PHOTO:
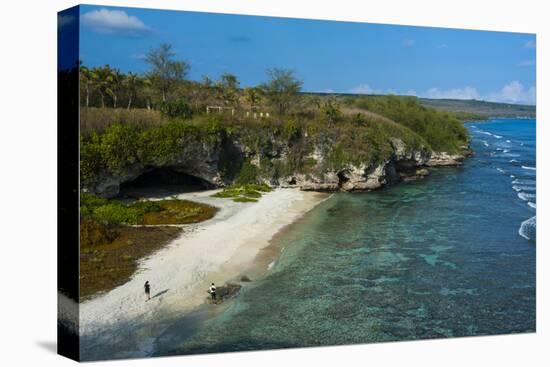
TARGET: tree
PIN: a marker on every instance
(252, 96)
(115, 81)
(147, 90)
(165, 72)
(86, 82)
(331, 111)
(281, 88)
(100, 77)
(133, 83)
(228, 87)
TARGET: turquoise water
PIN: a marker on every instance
(451, 255)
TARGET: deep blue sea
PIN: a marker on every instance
(447, 256)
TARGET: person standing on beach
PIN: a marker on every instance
(147, 291)
(213, 292)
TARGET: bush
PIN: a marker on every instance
(116, 213)
(442, 130)
(247, 175)
(93, 233)
(245, 193)
(97, 120)
(119, 147)
(176, 109)
(146, 206)
(242, 199)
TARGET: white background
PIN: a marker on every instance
(28, 182)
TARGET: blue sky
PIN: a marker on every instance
(328, 56)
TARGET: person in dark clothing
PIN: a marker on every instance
(213, 292)
(147, 291)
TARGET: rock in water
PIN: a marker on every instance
(244, 278)
(225, 292)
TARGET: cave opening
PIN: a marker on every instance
(342, 178)
(163, 181)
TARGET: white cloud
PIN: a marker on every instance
(456, 93)
(514, 92)
(138, 56)
(527, 63)
(443, 45)
(114, 22)
(530, 44)
(408, 42)
(365, 89)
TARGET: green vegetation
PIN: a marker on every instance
(120, 146)
(469, 110)
(341, 139)
(248, 193)
(442, 130)
(110, 243)
(281, 88)
(166, 116)
(165, 72)
(111, 213)
(175, 110)
(110, 262)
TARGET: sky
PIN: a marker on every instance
(328, 56)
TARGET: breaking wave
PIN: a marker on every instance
(526, 197)
(528, 229)
(524, 188)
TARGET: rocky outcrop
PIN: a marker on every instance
(200, 161)
(210, 164)
(405, 164)
(445, 159)
(225, 292)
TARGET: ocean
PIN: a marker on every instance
(448, 256)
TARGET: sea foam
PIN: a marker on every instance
(528, 228)
(524, 188)
(526, 197)
(524, 182)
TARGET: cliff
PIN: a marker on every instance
(343, 158)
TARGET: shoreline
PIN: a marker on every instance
(208, 251)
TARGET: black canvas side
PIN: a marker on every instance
(68, 182)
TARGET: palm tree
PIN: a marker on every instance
(86, 80)
(115, 81)
(132, 82)
(100, 79)
(228, 87)
(147, 90)
(252, 96)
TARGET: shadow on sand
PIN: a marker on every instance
(160, 293)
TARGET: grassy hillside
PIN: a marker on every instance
(472, 109)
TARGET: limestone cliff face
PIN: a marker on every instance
(403, 164)
(213, 164)
(201, 161)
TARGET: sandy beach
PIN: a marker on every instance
(218, 250)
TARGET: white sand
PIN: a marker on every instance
(216, 250)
